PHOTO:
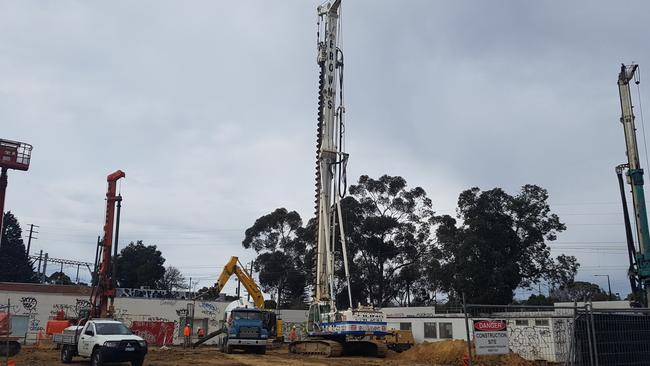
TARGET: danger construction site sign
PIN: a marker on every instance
(490, 336)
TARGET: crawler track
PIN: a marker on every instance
(317, 347)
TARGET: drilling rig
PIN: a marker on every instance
(332, 332)
(103, 291)
(639, 271)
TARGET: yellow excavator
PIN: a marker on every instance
(271, 323)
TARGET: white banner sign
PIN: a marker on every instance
(491, 337)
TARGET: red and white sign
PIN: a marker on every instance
(490, 325)
(491, 337)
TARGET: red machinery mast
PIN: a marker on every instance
(105, 290)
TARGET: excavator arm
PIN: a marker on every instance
(244, 277)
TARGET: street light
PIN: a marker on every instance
(609, 285)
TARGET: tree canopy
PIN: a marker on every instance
(173, 279)
(59, 278)
(278, 238)
(140, 265)
(14, 262)
(388, 229)
(498, 244)
(402, 253)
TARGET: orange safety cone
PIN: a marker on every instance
(39, 338)
(465, 359)
(11, 363)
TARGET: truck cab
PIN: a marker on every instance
(101, 340)
(246, 331)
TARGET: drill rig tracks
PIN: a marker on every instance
(330, 348)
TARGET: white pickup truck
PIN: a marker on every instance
(101, 340)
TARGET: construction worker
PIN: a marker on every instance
(187, 331)
(293, 335)
(200, 332)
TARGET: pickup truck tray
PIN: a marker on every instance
(65, 338)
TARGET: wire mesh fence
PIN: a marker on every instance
(578, 335)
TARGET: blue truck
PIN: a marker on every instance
(246, 331)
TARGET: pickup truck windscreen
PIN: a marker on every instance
(252, 315)
(112, 329)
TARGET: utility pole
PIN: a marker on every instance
(248, 298)
(31, 236)
(40, 258)
(609, 284)
(44, 274)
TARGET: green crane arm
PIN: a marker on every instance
(635, 177)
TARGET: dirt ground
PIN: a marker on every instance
(209, 356)
(445, 353)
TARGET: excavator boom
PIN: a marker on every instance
(244, 277)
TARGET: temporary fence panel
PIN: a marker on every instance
(612, 337)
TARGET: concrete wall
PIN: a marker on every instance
(40, 307)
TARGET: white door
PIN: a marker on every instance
(85, 340)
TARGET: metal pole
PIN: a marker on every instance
(117, 237)
(344, 248)
(9, 331)
(40, 256)
(593, 332)
(29, 240)
(77, 280)
(631, 250)
(609, 287)
(94, 274)
(238, 288)
(248, 298)
(45, 267)
(3, 190)
(469, 342)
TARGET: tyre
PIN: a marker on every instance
(66, 354)
(96, 357)
(137, 362)
(261, 350)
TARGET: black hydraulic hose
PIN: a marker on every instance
(631, 250)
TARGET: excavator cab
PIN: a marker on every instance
(318, 313)
(270, 322)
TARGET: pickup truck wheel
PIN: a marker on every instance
(96, 357)
(66, 354)
(137, 362)
(261, 350)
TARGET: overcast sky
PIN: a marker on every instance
(210, 109)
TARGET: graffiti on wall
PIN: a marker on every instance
(154, 332)
(39, 308)
(211, 311)
(29, 303)
(540, 341)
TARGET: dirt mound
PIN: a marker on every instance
(450, 353)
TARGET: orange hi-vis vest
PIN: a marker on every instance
(186, 331)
